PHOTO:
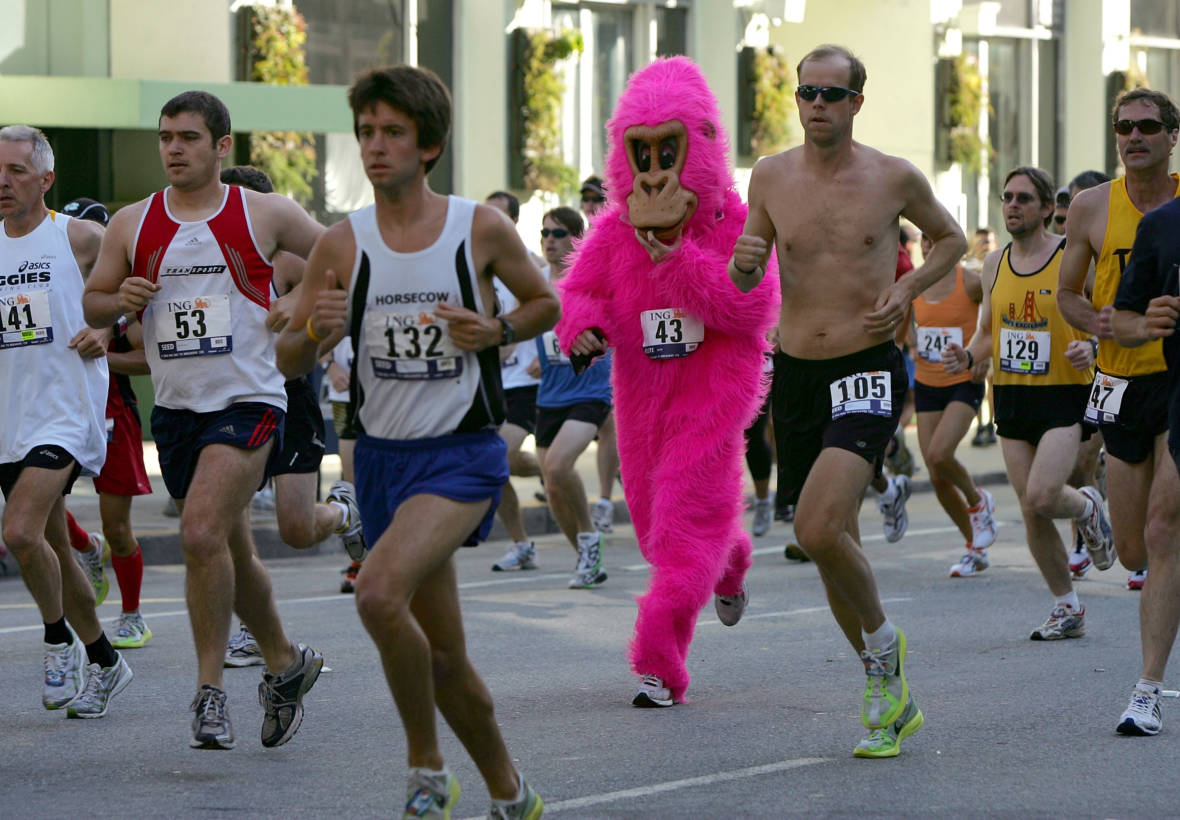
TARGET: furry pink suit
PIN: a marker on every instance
(680, 419)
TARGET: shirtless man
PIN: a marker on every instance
(1130, 396)
(193, 259)
(835, 350)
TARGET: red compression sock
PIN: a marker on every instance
(79, 538)
(129, 572)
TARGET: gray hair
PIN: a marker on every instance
(42, 153)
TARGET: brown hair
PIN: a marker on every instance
(416, 92)
(856, 69)
(1041, 181)
(568, 218)
(1168, 113)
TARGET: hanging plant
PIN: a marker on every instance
(773, 102)
(278, 57)
(538, 92)
(964, 101)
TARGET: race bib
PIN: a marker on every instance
(553, 354)
(1024, 351)
(198, 326)
(870, 392)
(25, 319)
(933, 340)
(411, 347)
(1106, 399)
(670, 333)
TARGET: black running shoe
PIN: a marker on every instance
(282, 697)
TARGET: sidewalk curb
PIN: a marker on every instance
(166, 549)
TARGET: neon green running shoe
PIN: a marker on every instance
(92, 562)
(431, 795)
(887, 742)
(886, 691)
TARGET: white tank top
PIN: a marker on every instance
(341, 357)
(514, 369)
(204, 331)
(51, 394)
(409, 380)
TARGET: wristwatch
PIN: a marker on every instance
(508, 334)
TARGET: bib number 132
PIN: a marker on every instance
(869, 392)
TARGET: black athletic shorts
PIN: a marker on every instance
(181, 435)
(550, 419)
(45, 456)
(1026, 412)
(1143, 415)
(522, 407)
(303, 431)
(802, 407)
(929, 399)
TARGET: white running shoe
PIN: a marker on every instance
(1136, 580)
(896, 518)
(93, 564)
(1142, 716)
(101, 685)
(762, 516)
(65, 672)
(1079, 559)
(602, 515)
(130, 632)
(243, 650)
(983, 521)
(350, 531)
(589, 572)
(1095, 530)
(521, 555)
(1063, 622)
(652, 693)
(730, 610)
(973, 562)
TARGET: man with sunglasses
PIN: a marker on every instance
(842, 238)
(1130, 395)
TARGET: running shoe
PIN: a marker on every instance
(886, 742)
(794, 552)
(983, 521)
(1142, 716)
(1100, 473)
(898, 457)
(93, 563)
(101, 685)
(130, 632)
(1079, 559)
(730, 610)
(896, 518)
(349, 530)
(886, 692)
(243, 650)
(762, 515)
(530, 807)
(349, 573)
(281, 697)
(652, 693)
(521, 555)
(786, 512)
(431, 795)
(1062, 623)
(263, 500)
(1095, 530)
(589, 572)
(65, 672)
(211, 726)
(602, 515)
(973, 562)
(170, 509)
(1136, 580)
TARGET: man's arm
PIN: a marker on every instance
(319, 319)
(537, 307)
(747, 266)
(110, 290)
(86, 240)
(1078, 310)
(294, 231)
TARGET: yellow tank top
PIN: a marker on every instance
(1121, 222)
(1029, 336)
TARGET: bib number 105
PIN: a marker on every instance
(869, 392)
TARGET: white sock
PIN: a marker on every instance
(1070, 600)
(1151, 684)
(605, 499)
(587, 539)
(432, 773)
(519, 794)
(882, 638)
(340, 505)
(890, 491)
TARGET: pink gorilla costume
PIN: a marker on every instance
(688, 350)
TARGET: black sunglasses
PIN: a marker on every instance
(556, 233)
(1060, 220)
(1024, 197)
(830, 93)
(1125, 127)
(592, 198)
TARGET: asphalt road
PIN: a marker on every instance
(1013, 727)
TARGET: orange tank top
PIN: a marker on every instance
(950, 319)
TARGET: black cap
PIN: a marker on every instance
(594, 184)
(83, 208)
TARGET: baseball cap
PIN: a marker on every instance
(84, 208)
(594, 184)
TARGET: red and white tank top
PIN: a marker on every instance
(205, 331)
